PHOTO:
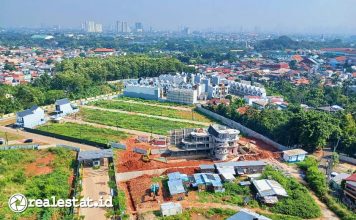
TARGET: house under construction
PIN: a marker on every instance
(216, 141)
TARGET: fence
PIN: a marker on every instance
(159, 151)
(240, 127)
(16, 147)
(66, 138)
(118, 146)
(68, 147)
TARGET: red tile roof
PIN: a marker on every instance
(351, 178)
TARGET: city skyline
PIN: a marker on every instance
(315, 16)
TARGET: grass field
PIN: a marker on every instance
(87, 132)
(10, 136)
(37, 174)
(134, 122)
(152, 110)
(152, 101)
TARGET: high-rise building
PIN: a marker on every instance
(98, 28)
(138, 27)
(93, 27)
(124, 27)
(118, 27)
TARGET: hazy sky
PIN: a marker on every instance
(329, 16)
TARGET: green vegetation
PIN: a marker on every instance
(279, 216)
(298, 203)
(207, 213)
(234, 195)
(87, 132)
(151, 110)
(15, 178)
(83, 77)
(134, 122)
(317, 182)
(310, 130)
(9, 136)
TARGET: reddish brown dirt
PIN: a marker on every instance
(260, 148)
(41, 166)
(138, 191)
(131, 161)
(185, 170)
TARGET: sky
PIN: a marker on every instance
(294, 16)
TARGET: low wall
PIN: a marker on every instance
(16, 147)
(122, 177)
(66, 138)
(242, 128)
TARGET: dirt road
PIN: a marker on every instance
(149, 116)
(95, 185)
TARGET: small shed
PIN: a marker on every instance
(171, 208)
(294, 155)
(94, 158)
(176, 189)
(207, 168)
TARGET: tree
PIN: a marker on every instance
(9, 67)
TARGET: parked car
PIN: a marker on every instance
(28, 140)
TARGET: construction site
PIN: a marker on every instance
(143, 166)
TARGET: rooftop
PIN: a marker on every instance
(269, 188)
(294, 152)
(245, 214)
(90, 155)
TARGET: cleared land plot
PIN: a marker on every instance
(87, 132)
(36, 174)
(134, 122)
(10, 136)
(152, 101)
(152, 110)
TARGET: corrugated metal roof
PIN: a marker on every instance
(245, 214)
(269, 188)
(294, 152)
(170, 205)
(175, 187)
(90, 155)
(241, 163)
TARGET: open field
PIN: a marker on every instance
(152, 110)
(152, 101)
(134, 122)
(90, 133)
(36, 174)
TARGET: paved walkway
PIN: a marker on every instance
(45, 140)
(149, 116)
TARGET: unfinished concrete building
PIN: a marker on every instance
(216, 141)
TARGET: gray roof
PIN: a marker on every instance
(338, 178)
(62, 101)
(24, 113)
(176, 187)
(245, 214)
(241, 163)
(207, 166)
(98, 154)
(27, 111)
